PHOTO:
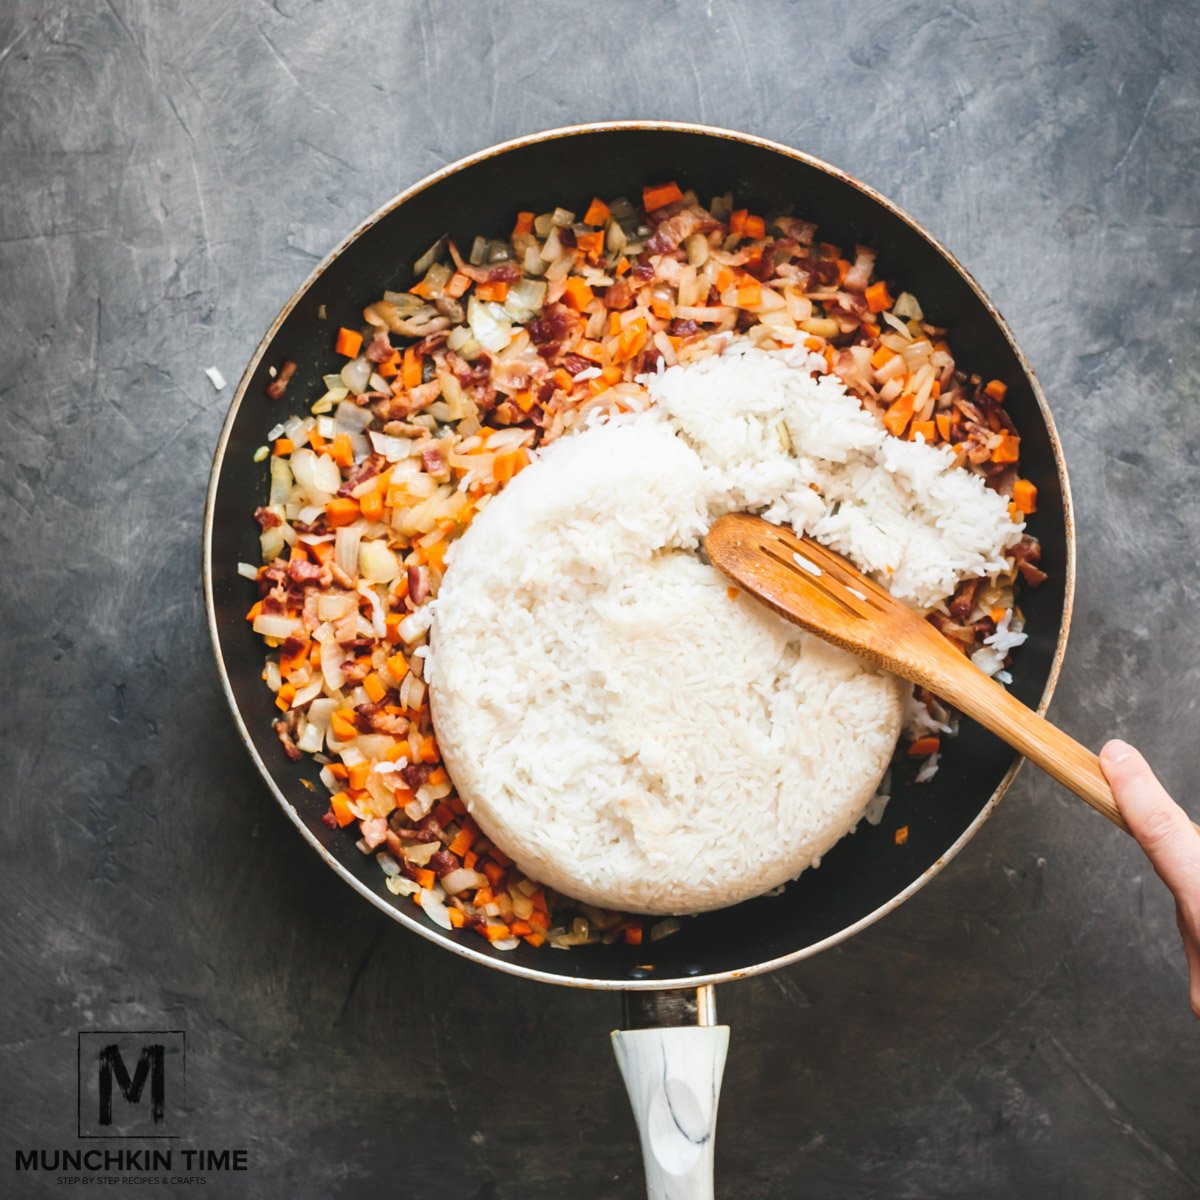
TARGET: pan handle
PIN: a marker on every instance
(672, 1055)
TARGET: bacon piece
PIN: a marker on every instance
(963, 602)
(683, 328)
(501, 272)
(303, 573)
(278, 385)
(619, 296)
(266, 518)
(859, 274)
(418, 584)
(431, 458)
(370, 466)
(380, 349)
(443, 862)
(793, 227)
(1026, 553)
(284, 734)
(678, 224)
(415, 774)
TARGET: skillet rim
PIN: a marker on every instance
(435, 935)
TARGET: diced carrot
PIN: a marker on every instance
(520, 928)
(349, 342)
(663, 193)
(372, 505)
(597, 212)
(340, 803)
(392, 624)
(357, 776)
(425, 878)
(494, 872)
(732, 593)
(316, 439)
(843, 269)
(496, 931)
(925, 429)
(870, 329)
(622, 266)
(285, 696)
(462, 841)
(389, 368)
(943, 421)
(633, 935)
(458, 285)
(283, 447)
(923, 747)
(898, 415)
(342, 724)
(749, 292)
(1008, 449)
(1024, 496)
(375, 688)
(496, 291)
(443, 814)
(456, 918)
(437, 777)
(342, 510)
(535, 939)
(755, 227)
(338, 770)
(255, 609)
(524, 224)
(997, 390)
(589, 349)
(592, 244)
(660, 308)
(901, 835)
(469, 860)
(410, 371)
(614, 324)
(397, 666)
(1014, 513)
(882, 356)
(737, 223)
(877, 297)
(524, 400)
(341, 451)
(576, 293)
(563, 379)
(725, 279)
(483, 895)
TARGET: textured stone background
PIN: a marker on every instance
(168, 174)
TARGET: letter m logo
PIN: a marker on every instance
(131, 1083)
(150, 1065)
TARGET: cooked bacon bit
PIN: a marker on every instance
(1026, 553)
(442, 863)
(267, 519)
(963, 602)
(552, 326)
(370, 466)
(432, 459)
(415, 774)
(619, 296)
(304, 573)
(418, 585)
(278, 385)
(380, 349)
(294, 753)
(684, 328)
(328, 819)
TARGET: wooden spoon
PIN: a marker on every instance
(822, 593)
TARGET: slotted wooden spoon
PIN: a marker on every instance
(822, 593)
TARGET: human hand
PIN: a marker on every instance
(1169, 839)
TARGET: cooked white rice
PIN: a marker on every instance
(614, 721)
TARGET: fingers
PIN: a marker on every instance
(1165, 833)
(1161, 827)
(1191, 950)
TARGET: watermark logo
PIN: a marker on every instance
(131, 1083)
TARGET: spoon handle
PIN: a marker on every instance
(1057, 753)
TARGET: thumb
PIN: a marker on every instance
(1160, 826)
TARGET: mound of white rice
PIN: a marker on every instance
(615, 722)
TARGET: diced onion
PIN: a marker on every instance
(356, 374)
(276, 625)
(345, 548)
(462, 879)
(376, 563)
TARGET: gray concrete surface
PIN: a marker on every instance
(168, 174)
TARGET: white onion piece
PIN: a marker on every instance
(392, 448)
(345, 548)
(333, 606)
(435, 910)
(463, 879)
(378, 622)
(328, 476)
(490, 331)
(332, 659)
(352, 419)
(281, 481)
(419, 853)
(247, 570)
(376, 563)
(275, 625)
(309, 692)
(356, 374)
(311, 739)
(508, 943)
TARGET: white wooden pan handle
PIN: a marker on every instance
(673, 1075)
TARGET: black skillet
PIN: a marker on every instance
(866, 875)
